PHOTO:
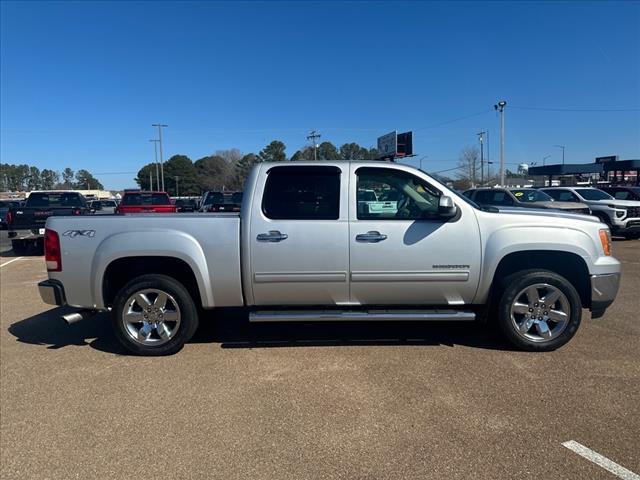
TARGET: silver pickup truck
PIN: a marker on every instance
(304, 248)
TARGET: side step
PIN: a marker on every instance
(354, 316)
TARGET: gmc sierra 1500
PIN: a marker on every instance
(304, 249)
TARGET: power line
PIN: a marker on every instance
(453, 120)
(544, 109)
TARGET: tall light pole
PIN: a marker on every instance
(160, 125)
(544, 158)
(481, 137)
(313, 136)
(500, 107)
(150, 181)
(155, 148)
(562, 147)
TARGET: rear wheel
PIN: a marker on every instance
(154, 315)
(539, 310)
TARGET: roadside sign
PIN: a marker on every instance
(404, 144)
(610, 159)
(388, 145)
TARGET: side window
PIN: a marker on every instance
(302, 193)
(493, 197)
(384, 193)
(621, 195)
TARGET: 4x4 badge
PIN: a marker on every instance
(79, 233)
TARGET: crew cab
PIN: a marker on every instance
(302, 250)
(136, 201)
(622, 216)
(26, 223)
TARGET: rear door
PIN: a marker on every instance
(409, 255)
(299, 237)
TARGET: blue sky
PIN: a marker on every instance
(82, 82)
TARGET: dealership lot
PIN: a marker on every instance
(313, 401)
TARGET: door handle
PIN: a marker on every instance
(272, 236)
(371, 237)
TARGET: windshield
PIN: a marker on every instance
(530, 195)
(66, 199)
(133, 199)
(593, 194)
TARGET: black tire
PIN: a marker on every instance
(19, 247)
(187, 308)
(512, 288)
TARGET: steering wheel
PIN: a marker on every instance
(403, 208)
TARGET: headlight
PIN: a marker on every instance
(605, 240)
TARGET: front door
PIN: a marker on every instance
(299, 237)
(401, 250)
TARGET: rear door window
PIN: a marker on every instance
(302, 193)
(60, 200)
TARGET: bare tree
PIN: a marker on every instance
(469, 166)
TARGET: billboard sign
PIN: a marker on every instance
(609, 159)
(388, 145)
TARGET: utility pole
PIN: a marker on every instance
(500, 107)
(481, 137)
(313, 136)
(150, 180)
(562, 147)
(155, 148)
(544, 158)
(160, 125)
(177, 186)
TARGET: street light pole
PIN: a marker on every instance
(481, 137)
(177, 186)
(155, 148)
(160, 125)
(500, 107)
(562, 147)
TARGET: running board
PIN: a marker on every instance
(354, 316)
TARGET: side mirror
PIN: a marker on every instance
(446, 207)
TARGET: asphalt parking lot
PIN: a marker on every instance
(313, 401)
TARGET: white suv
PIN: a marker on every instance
(622, 216)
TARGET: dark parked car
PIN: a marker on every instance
(221, 202)
(622, 193)
(185, 205)
(103, 207)
(26, 223)
(5, 206)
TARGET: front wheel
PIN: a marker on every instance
(539, 310)
(154, 315)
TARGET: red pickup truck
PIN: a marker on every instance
(145, 202)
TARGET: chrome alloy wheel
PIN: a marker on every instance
(540, 312)
(151, 317)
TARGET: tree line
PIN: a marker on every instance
(228, 169)
(21, 178)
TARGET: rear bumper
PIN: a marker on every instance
(27, 234)
(604, 289)
(52, 292)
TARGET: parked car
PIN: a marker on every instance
(221, 202)
(622, 216)
(522, 198)
(185, 205)
(136, 201)
(300, 251)
(26, 223)
(103, 207)
(622, 192)
(5, 206)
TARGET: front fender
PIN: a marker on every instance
(166, 243)
(512, 239)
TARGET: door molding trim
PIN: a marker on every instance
(429, 276)
(295, 277)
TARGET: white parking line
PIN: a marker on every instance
(10, 261)
(601, 460)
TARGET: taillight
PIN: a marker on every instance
(9, 217)
(77, 211)
(52, 253)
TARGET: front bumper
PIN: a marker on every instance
(52, 292)
(629, 226)
(604, 289)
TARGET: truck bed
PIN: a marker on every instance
(210, 242)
